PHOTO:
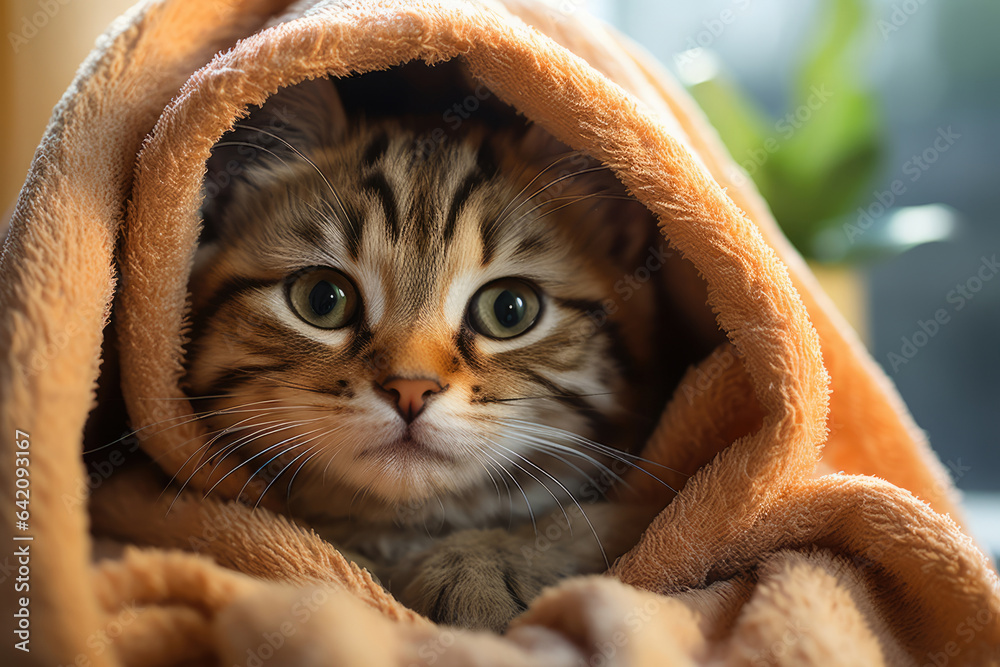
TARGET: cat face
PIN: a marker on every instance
(372, 318)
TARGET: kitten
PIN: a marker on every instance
(423, 342)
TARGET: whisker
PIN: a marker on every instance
(183, 398)
(187, 419)
(527, 503)
(563, 509)
(292, 385)
(245, 462)
(610, 451)
(312, 164)
(544, 396)
(309, 454)
(253, 436)
(513, 199)
(597, 447)
(288, 493)
(569, 523)
(204, 448)
(281, 472)
(510, 498)
(492, 479)
(574, 199)
(276, 456)
(232, 447)
(547, 448)
(249, 144)
(545, 187)
(536, 440)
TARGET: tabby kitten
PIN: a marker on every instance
(420, 346)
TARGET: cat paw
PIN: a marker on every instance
(477, 579)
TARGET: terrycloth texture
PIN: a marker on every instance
(760, 559)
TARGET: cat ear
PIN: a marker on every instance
(619, 227)
(296, 119)
(610, 221)
(540, 144)
(307, 115)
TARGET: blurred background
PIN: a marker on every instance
(871, 126)
(906, 137)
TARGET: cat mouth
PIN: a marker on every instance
(405, 447)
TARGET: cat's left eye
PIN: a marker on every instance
(324, 298)
(504, 308)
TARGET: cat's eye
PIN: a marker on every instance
(504, 308)
(324, 298)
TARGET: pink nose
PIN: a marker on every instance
(410, 395)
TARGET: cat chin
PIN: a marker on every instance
(389, 481)
(407, 450)
(408, 480)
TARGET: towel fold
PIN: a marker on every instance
(813, 524)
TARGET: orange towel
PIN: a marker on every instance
(817, 526)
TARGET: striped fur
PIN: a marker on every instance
(418, 232)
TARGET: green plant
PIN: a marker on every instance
(816, 164)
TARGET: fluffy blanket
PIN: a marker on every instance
(816, 526)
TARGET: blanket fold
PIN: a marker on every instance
(808, 522)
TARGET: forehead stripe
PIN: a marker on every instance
(379, 186)
(375, 150)
(471, 181)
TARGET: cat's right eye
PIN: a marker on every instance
(324, 298)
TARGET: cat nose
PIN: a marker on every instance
(410, 395)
